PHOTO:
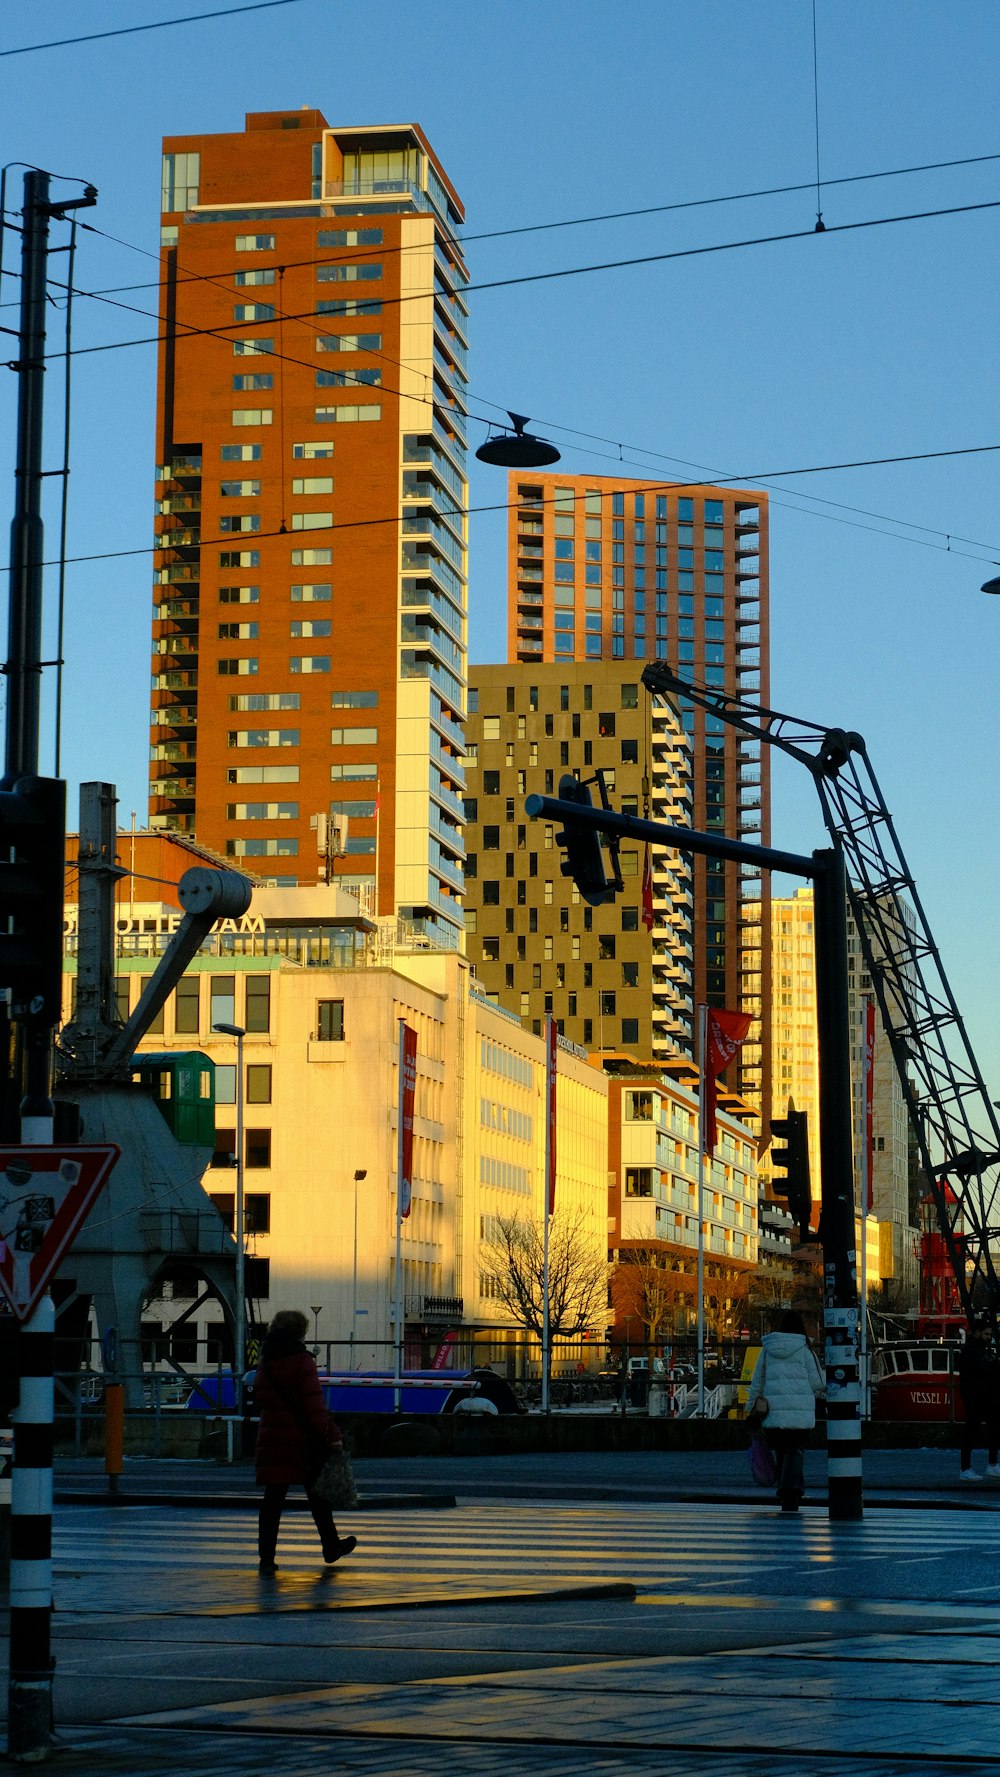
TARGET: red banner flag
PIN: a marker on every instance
(724, 1033)
(407, 1085)
(648, 915)
(550, 1110)
(866, 1195)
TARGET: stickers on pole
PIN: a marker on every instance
(46, 1195)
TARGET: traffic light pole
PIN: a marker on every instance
(825, 869)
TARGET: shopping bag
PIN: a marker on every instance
(335, 1481)
(762, 1464)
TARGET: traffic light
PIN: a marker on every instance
(32, 862)
(793, 1158)
(584, 859)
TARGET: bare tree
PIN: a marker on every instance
(513, 1265)
(644, 1286)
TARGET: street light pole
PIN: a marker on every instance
(362, 1173)
(239, 1341)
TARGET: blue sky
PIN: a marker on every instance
(873, 343)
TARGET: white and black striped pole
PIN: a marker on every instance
(30, 1691)
(837, 1226)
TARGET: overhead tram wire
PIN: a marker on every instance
(718, 477)
(194, 18)
(225, 334)
(569, 221)
(714, 476)
(673, 485)
(575, 271)
(307, 320)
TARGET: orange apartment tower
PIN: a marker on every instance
(310, 609)
(604, 568)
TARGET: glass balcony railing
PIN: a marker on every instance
(418, 596)
(420, 561)
(449, 314)
(454, 374)
(422, 524)
(178, 573)
(176, 539)
(175, 715)
(424, 635)
(421, 448)
(412, 666)
(453, 343)
(430, 493)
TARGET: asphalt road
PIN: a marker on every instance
(899, 1475)
(555, 1634)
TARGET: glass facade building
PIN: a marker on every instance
(602, 568)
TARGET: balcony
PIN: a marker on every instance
(163, 771)
(432, 495)
(420, 561)
(176, 681)
(177, 647)
(453, 374)
(449, 313)
(172, 787)
(178, 573)
(176, 503)
(175, 716)
(453, 345)
(177, 539)
(443, 1310)
(173, 749)
(173, 610)
(424, 524)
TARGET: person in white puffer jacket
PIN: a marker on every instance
(788, 1377)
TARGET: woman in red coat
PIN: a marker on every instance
(295, 1428)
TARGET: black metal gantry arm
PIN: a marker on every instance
(953, 1117)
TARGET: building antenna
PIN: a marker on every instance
(820, 224)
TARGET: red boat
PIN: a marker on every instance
(917, 1379)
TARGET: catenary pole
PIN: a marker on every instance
(827, 871)
(550, 1167)
(30, 1685)
(840, 1274)
(702, 1063)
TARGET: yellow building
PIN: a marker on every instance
(891, 1239)
(653, 1212)
(320, 1125)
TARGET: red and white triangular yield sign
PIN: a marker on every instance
(45, 1196)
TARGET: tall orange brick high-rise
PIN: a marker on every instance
(606, 568)
(309, 628)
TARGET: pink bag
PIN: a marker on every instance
(762, 1464)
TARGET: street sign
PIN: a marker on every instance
(45, 1196)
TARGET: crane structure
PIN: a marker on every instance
(953, 1118)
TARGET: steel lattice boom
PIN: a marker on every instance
(953, 1117)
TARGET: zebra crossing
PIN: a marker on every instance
(171, 1647)
(149, 1559)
